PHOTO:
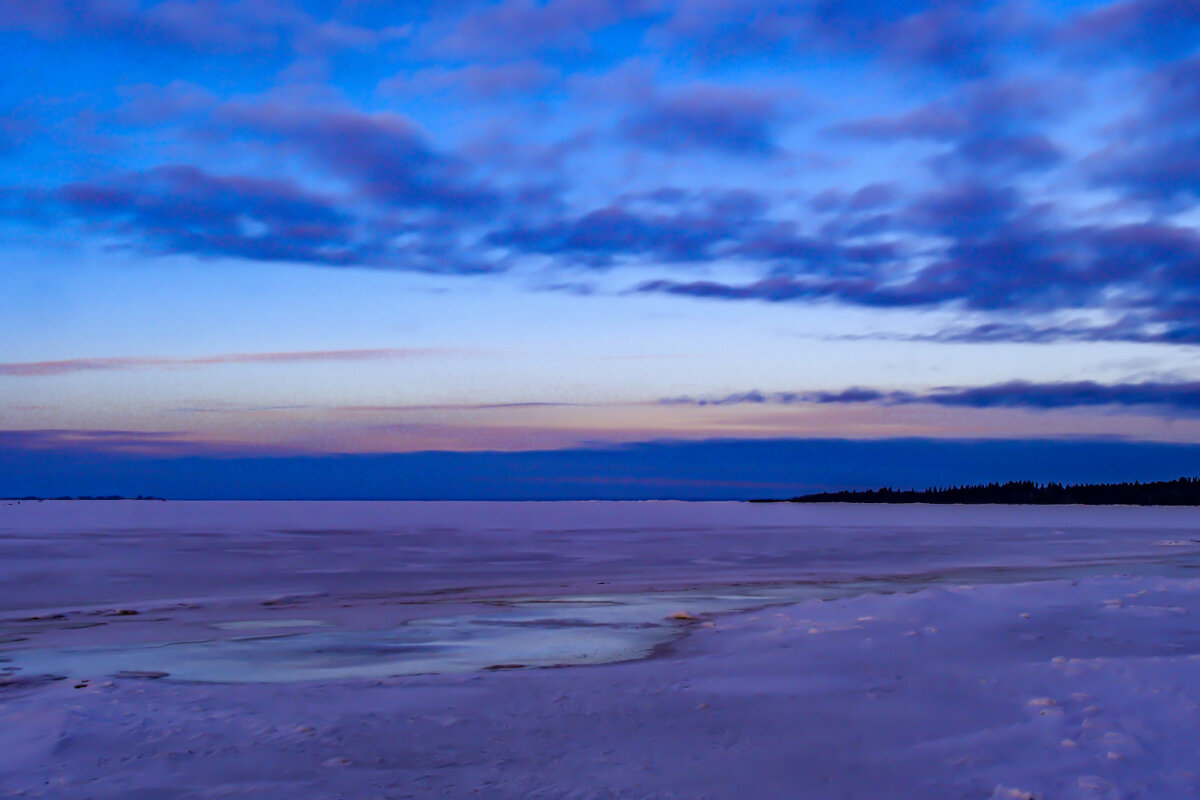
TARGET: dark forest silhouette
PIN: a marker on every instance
(1180, 492)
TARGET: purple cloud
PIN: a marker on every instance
(199, 24)
(385, 155)
(1179, 398)
(1162, 172)
(317, 173)
(60, 440)
(989, 123)
(959, 38)
(181, 209)
(478, 81)
(872, 196)
(965, 209)
(668, 226)
(935, 121)
(1148, 28)
(855, 291)
(1128, 329)
(605, 233)
(74, 443)
(239, 26)
(1157, 157)
(148, 105)
(1000, 255)
(730, 120)
(524, 27)
(1010, 152)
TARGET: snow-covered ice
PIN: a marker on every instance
(389, 650)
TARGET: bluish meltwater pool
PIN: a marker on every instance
(521, 633)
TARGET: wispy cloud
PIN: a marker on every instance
(73, 365)
(96, 440)
(130, 442)
(1172, 397)
(459, 406)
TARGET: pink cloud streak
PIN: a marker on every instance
(73, 365)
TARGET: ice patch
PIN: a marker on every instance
(263, 624)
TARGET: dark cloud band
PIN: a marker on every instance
(1171, 398)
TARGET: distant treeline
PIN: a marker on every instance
(83, 497)
(1181, 492)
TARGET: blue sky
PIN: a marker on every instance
(293, 229)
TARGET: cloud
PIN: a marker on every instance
(732, 120)
(390, 199)
(956, 38)
(936, 121)
(872, 196)
(1157, 154)
(987, 124)
(424, 171)
(974, 244)
(606, 233)
(668, 226)
(783, 289)
(477, 81)
(182, 209)
(1176, 398)
(672, 226)
(755, 397)
(384, 154)
(69, 450)
(221, 26)
(1010, 152)
(198, 24)
(75, 365)
(147, 105)
(525, 27)
(1155, 29)
(449, 407)
(995, 254)
(60, 440)
(1129, 328)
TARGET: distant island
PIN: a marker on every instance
(1180, 492)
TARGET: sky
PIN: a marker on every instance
(350, 229)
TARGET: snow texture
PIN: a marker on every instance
(397, 650)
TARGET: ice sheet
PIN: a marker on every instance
(336, 650)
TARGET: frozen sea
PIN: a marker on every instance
(597, 650)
